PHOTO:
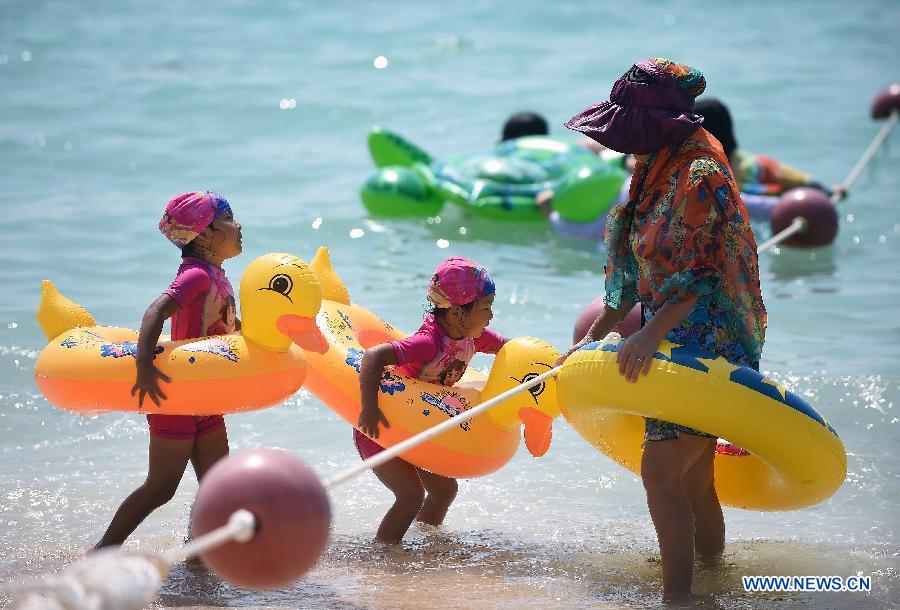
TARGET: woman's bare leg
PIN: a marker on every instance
(663, 466)
(709, 524)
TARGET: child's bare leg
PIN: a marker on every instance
(401, 478)
(709, 524)
(209, 449)
(441, 493)
(663, 465)
(168, 459)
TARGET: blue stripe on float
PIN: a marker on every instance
(687, 356)
(684, 355)
(603, 347)
(590, 347)
(753, 380)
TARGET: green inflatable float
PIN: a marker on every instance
(500, 184)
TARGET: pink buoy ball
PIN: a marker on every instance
(815, 207)
(886, 102)
(292, 512)
(627, 327)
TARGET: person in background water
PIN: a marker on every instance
(203, 227)
(524, 124)
(682, 246)
(462, 295)
(755, 174)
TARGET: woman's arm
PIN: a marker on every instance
(374, 360)
(607, 320)
(637, 352)
(148, 376)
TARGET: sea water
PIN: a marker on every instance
(109, 109)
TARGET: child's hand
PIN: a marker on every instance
(369, 419)
(147, 382)
(637, 354)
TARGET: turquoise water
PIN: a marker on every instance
(109, 109)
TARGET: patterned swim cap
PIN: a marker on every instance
(187, 215)
(458, 281)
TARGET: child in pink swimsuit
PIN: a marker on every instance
(462, 294)
(203, 227)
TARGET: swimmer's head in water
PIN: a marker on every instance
(524, 124)
(717, 121)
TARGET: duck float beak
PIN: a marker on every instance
(304, 332)
(538, 430)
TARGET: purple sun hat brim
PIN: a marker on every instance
(647, 110)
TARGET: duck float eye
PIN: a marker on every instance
(535, 390)
(281, 284)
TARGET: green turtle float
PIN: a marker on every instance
(500, 184)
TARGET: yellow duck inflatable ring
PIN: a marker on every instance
(88, 368)
(474, 448)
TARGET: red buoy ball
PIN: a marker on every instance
(292, 512)
(886, 102)
(627, 327)
(812, 205)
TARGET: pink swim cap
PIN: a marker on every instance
(458, 281)
(187, 215)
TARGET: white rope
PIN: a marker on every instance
(115, 579)
(389, 454)
(109, 579)
(799, 225)
(871, 150)
(240, 528)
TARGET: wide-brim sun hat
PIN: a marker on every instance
(650, 107)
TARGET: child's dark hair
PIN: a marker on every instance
(440, 312)
(190, 248)
(228, 304)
